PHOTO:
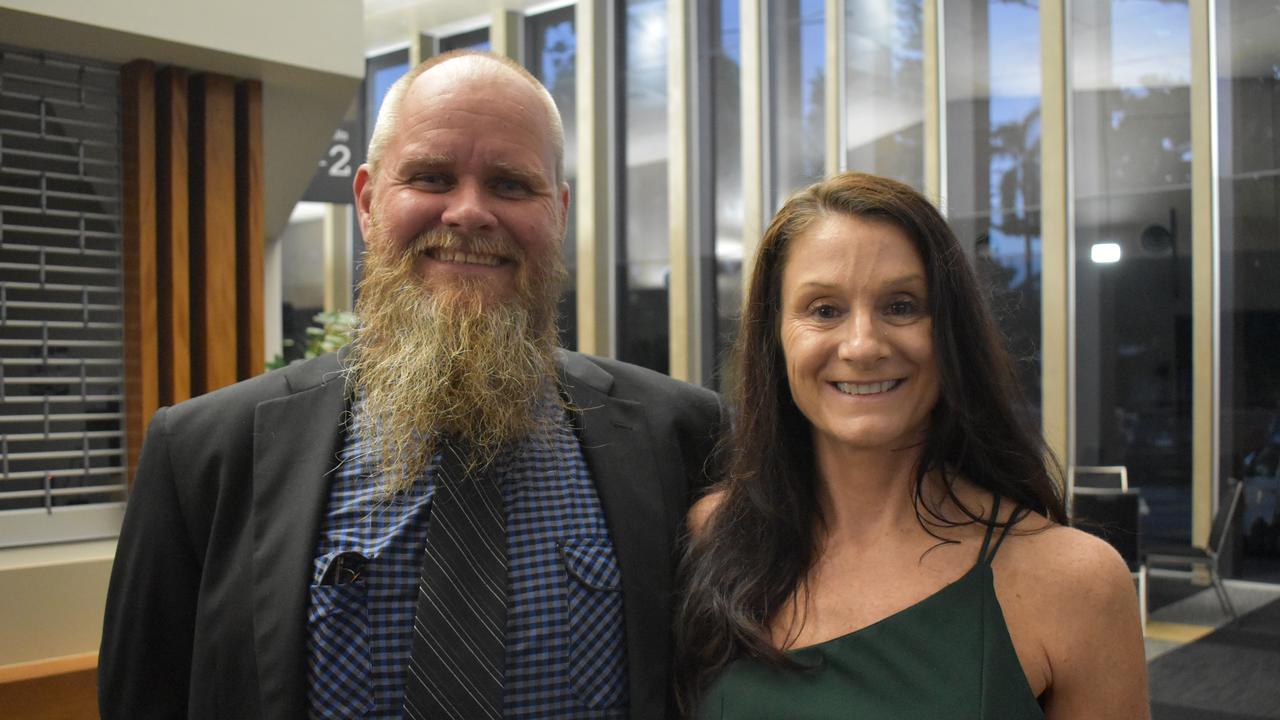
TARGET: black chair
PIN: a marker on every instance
(1189, 556)
(1114, 515)
(1099, 476)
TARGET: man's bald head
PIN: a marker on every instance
(461, 66)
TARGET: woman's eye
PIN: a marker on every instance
(903, 308)
(826, 312)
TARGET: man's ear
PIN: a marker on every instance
(564, 203)
(362, 187)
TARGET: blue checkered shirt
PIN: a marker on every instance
(566, 652)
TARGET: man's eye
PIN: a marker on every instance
(432, 180)
(511, 188)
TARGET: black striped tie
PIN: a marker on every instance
(459, 627)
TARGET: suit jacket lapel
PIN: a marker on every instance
(619, 453)
(295, 441)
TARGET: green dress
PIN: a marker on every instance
(949, 657)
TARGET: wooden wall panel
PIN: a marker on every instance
(66, 696)
(172, 256)
(213, 233)
(249, 227)
(138, 249)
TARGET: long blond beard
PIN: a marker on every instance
(450, 359)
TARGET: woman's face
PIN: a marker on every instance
(856, 333)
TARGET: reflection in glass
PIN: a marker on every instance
(993, 146)
(643, 328)
(471, 40)
(1249, 235)
(552, 45)
(302, 276)
(796, 63)
(1132, 157)
(381, 73)
(722, 119)
(884, 88)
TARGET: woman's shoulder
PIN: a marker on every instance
(701, 511)
(1061, 559)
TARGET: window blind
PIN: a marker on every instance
(62, 472)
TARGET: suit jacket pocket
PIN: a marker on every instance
(597, 641)
(340, 663)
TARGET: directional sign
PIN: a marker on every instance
(337, 167)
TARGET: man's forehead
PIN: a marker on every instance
(470, 70)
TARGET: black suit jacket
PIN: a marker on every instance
(206, 609)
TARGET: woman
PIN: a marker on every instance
(890, 541)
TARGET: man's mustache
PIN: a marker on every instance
(442, 238)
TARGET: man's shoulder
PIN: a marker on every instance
(244, 396)
(626, 378)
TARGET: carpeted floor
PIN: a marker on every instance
(1232, 673)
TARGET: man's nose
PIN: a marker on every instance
(864, 342)
(468, 209)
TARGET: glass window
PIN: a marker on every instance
(719, 70)
(1249, 234)
(472, 39)
(380, 73)
(797, 92)
(552, 46)
(643, 327)
(884, 88)
(1131, 134)
(302, 276)
(993, 161)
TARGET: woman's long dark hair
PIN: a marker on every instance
(757, 548)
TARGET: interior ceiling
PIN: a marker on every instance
(388, 23)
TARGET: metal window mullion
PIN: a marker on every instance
(684, 326)
(27, 172)
(51, 400)
(31, 362)
(44, 267)
(506, 33)
(1205, 271)
(85, 451)
(54, 212)
(935, 103)
(596, 208)
(90, 379)
(755, 156)
(75, 435)
(83, 310)
(834, 87)
(63, 287)
(1057, 326)
(49, 492)
(63, 417)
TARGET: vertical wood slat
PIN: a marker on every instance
(138, 254)
(173, 237)
(249, 228)
(214, 352)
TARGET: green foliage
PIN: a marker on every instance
(331, 331)
(334, 330)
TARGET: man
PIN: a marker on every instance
(272, 560)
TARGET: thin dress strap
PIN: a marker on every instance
(986, 540)
(1004, 532)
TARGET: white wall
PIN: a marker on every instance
(307, 53)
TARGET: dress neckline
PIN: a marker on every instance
(983, 561)
(922, 602)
